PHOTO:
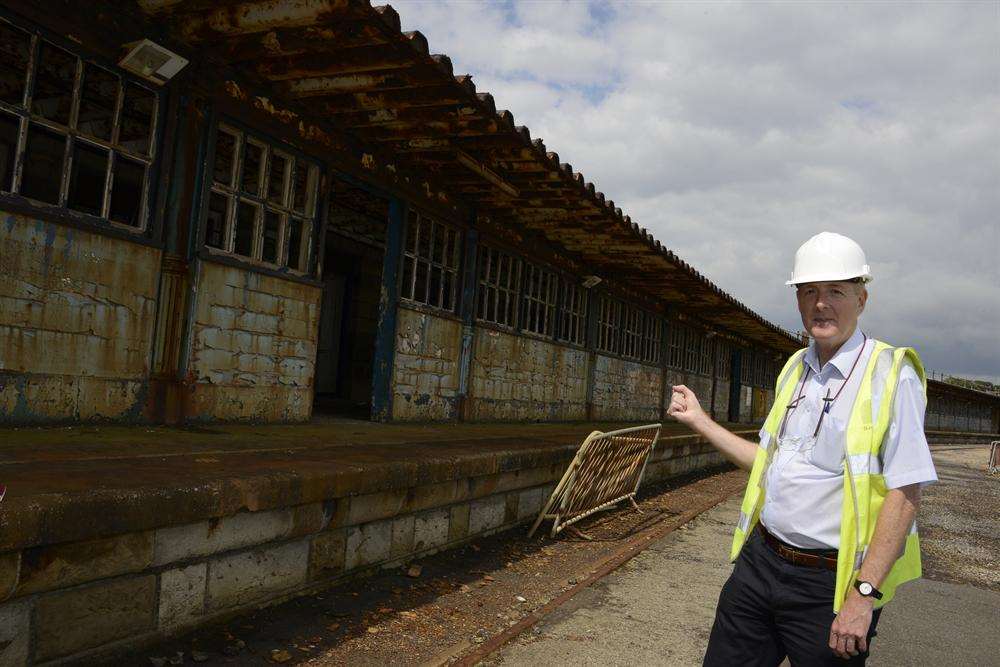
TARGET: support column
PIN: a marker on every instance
(467, 311)
(388, 312)
(664, 354)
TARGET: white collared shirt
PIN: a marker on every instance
(805, 481)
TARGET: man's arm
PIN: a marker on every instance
(849, 632)
(685, 408)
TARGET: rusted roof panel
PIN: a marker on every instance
(355, 69)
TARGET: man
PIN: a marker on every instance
(826, 529)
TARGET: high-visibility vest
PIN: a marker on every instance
(864, 485)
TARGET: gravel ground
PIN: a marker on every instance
(959, 519)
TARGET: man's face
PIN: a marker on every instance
(830, 310)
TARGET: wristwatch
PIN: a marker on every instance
(867, 590)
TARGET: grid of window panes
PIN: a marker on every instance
(74, 134)
(609, 316)
(631, 331)
(430, 262)
(676, 336)
(759, 370)
(499, 284)
(692, 350)
(723, 355)
(649, 347)
(572, 313)
(746, 366)
(540, 287)
(262, 201)
(705, 347)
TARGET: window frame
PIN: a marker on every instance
(412, 256)
(609, 325)
(74, 138)
(571, 315)
(313, 221)
(489, 288)
(540, 307)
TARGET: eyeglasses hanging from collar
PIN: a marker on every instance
(828, 400)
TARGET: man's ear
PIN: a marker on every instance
(862, 297)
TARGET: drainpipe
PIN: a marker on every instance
(468, 312)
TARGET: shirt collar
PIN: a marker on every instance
(843, 359)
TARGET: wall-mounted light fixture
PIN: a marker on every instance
(151, 61)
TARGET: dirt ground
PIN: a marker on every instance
(460, 599)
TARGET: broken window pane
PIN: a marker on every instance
(137, 119)
(14, 47)
(126, 191)
(215, 221)
(246, 215)
(97, 102)
(276, 178)
(272, 232)
(86, 183)
(43, 164)
(303, 186)
(295, 244)
(9, 126)
(253, 163)
(225, 150)
(54, 78)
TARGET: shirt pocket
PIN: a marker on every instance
(828, 450)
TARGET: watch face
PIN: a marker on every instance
(865, 588)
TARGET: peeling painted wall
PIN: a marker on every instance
(746, 404)
(626, 390)
(518, 378)
(253, 346)
(77, 311)
(426, 371)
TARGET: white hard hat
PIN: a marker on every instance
(828, 256)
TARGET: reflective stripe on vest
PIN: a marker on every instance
(864, 486)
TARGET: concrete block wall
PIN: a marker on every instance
(253, 346)
(519, 378)
(626, 390)
(426, 368)
(77, 313)
(89, 599)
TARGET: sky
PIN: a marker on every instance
(735, 131)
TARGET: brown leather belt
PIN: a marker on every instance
(796, 556)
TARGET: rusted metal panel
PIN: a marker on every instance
(626, 390)
(426, 367)
(76, 322)
(518, 378)
(253, 346)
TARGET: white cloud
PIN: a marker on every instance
(734, 131)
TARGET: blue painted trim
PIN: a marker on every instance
(385, 332)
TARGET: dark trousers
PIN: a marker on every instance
(770, 609)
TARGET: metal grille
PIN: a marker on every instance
(606, 470)
(651, 333)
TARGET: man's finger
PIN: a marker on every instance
(862, 644)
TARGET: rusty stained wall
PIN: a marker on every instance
(721, 412)
(253, 346)
(746, 404)
(77, 311)
(626, 390)
(519, 378)
(426, 371)
(699, 384)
